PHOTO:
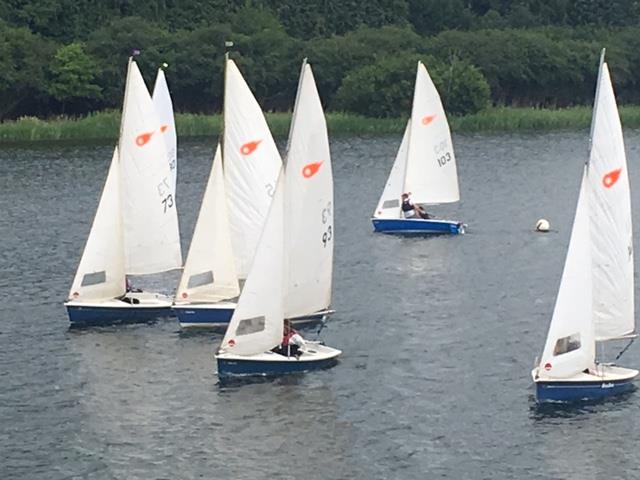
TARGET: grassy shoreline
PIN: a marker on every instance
(105, 125)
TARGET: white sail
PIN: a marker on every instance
(432, 175)
(570, 345)
(164, 108)
(209, 273)
(610, 210)
(390, 203)
(258, 320)
(308, 205)
(251, 166)
(152, 241)
(100, 274)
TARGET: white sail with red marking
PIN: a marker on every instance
(151, 236)
(308, 203)
(611, 226)
(431, 174)
(164, 108)
(251, 166)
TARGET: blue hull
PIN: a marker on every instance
(575, 391)
(81, 316)
(244, 368)
(403, 225)
(203, 317)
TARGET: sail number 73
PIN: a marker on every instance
(164, 192)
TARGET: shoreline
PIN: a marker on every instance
(104, 126)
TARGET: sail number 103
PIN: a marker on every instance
(444, 159)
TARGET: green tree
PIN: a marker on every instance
(73, 76)
(385, 89)
(115, 42)
(23, 72)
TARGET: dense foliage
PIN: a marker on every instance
(69, 56)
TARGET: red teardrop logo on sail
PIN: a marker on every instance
(249, 147)
(76, 294)
(143, 138)
(311, 169)
(428, 119)
(231, 342)
(164, 128)
(547, 366)
(610, 179)
(185, 294)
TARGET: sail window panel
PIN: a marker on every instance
(391, 203)
(567, 344)
(200, 279)
(250, 325)
(95, 278)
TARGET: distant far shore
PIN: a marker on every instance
(104, 126)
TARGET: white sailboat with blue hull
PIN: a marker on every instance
(425, 167)
(595, 300)
(300, 221)
(251, 166)
(135, 229)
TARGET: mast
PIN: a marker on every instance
(595, 103)
(295, 109)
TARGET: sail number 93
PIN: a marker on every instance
(327, 216)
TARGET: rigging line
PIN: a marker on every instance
(626, 348)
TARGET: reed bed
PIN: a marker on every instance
(105, 125)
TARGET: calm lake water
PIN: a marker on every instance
(439, 335)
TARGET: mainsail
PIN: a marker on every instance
(610, 212)
(431, 174)
(152, 241)
(251, 166)
(308, 205)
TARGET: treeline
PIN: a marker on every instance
(69, 56)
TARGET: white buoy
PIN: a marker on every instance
(542, 225)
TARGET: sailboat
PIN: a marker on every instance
(135, 229)
(424, 168)
(251, 167)
(164, 108)
(276, 286)
(595, 300)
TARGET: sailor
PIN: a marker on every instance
(410, 210)
(292, 341)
